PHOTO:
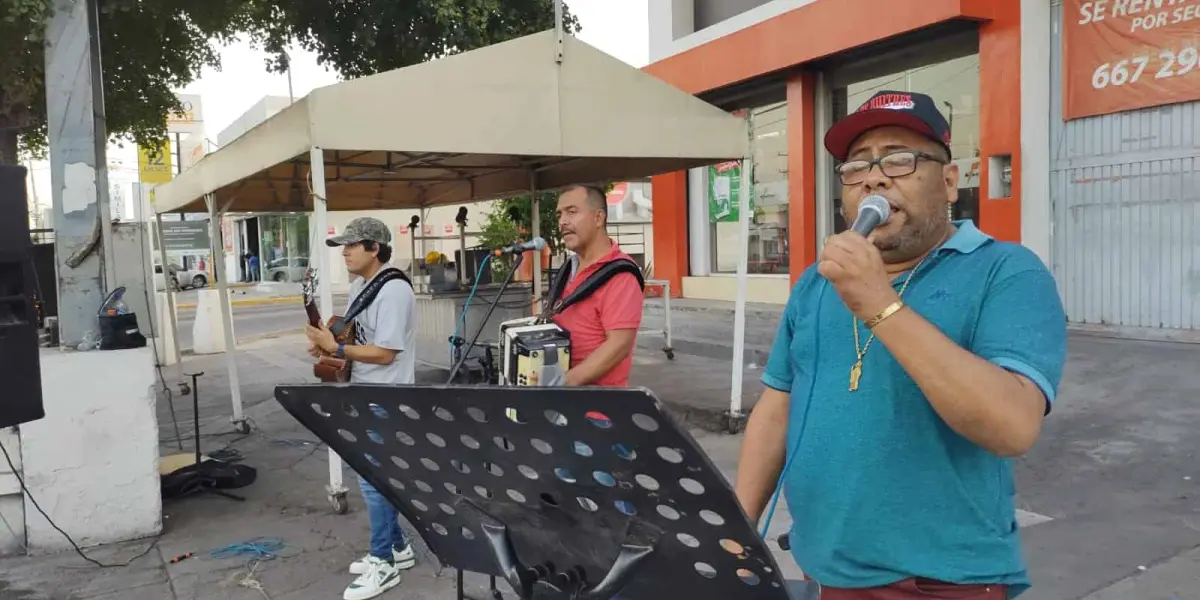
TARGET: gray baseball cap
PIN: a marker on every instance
(362, 229)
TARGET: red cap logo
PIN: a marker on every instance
(889, 101)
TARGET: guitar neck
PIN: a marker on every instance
(314, 315)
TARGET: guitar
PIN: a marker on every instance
(328, 369)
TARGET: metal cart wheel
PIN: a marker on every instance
(242, 427)
(669, 351)
(339, 503)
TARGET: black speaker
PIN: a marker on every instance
(20, 360)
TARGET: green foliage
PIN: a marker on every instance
(363, 37)
(499, 229)
(150, 48)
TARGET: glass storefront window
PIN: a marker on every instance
(630, 213)
(284, 245)
(769, 219)
(954, 87)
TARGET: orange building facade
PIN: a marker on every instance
(793, 67)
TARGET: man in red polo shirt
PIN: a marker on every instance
(604, 325)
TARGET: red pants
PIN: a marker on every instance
(915, 589)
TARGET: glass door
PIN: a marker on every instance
(948, 72)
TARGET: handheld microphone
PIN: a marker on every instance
(873, 211)
(536, 243)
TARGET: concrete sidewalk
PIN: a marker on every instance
(1107, 498)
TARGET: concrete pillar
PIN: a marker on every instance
(78, 169)
(165, 347)
(668, 21)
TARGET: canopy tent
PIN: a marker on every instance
(534, 113)
(474, 126)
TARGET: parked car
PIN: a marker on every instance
(192, 278)
(160, 282)
(286, 269)
(181, 278)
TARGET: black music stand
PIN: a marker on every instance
(588, 493)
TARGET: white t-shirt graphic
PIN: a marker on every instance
(389, 322)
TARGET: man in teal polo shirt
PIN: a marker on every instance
(910, 367)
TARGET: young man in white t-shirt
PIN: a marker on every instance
(382, 353)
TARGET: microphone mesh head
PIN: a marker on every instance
(877, 203)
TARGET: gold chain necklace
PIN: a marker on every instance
(861, 351)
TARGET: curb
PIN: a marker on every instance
(247, 302)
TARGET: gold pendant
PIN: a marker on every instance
(855, 375)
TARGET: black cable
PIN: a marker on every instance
(69, 539)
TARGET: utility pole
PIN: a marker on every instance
(78, 169)
(291, 94)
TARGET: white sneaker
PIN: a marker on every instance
(379, 577)
(403, 559)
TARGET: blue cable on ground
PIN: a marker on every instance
(462, 318)
(262, 548)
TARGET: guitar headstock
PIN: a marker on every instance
(308, 286)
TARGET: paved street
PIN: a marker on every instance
(250, 322)
(253, 321)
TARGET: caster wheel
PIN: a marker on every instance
(735, 424)
(339, 503)
(242, 427)
(185, 389)
(670, 352)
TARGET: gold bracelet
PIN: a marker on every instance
(892, 309)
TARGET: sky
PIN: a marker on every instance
(617, 27)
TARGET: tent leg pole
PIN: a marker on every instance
(535, 206)
(337, 491)
(218, 252)
(463, 280)
(162, 257)
(736, 419)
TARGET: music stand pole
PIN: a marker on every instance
(465, 351)
(205, 483)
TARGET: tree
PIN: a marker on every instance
(511, 220)
(150, 48)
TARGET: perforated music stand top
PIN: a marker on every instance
(577, 474)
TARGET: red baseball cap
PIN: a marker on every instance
(909, 110)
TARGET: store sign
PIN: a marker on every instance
(154, 164)
(191, 112)
(1123, 55)
(186, 237)
(617, 194)
(724, 192)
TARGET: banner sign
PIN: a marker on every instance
(154, 164)
(724, 192)
(1123, 55)
(186, 237)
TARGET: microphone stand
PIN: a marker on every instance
(466, 350)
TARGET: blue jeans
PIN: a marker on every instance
(385, 526)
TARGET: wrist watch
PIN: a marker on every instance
(341, 350)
